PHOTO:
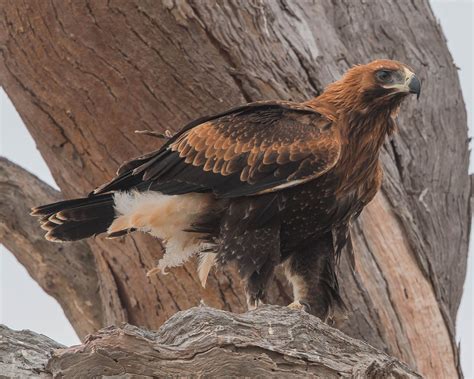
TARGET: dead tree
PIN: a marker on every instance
(85, 74)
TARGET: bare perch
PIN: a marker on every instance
(66, 272)
(268, 342)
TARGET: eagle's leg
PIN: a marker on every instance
(256, 253)
(311, 271)
(256, 284)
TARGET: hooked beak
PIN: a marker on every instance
(414, 85)
(409, 83)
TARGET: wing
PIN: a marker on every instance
(254, 149)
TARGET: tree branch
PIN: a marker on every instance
(65, 271)
(268, 342)
(24, 354)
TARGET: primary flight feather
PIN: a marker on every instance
(258, 185)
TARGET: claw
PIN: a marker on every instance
(254, 304)
(300, 305)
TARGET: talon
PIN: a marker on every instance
(300, 305)
(251, 306)
(306, 306)
(254, 304)
(296, 305)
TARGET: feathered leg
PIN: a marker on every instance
(256, 253)
(257, 283)
(312, 273)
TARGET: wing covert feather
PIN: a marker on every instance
(275, 147)
(257, 148)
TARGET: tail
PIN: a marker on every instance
(72, 220)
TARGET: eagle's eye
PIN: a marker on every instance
(384, 76)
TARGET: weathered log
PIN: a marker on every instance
(85, 75)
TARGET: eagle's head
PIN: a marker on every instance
(385, 81)
(381, 84)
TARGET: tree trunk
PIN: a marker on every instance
(84, 75)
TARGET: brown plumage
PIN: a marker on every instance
(259, 185)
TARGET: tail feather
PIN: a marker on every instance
(48, 225)
(87, 211)
(49, 209)
(120, 233)
(72, 220)
(77, 230)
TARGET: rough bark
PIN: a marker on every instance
(205, 342)
(24, 354)
(66, 272)
(84, 75)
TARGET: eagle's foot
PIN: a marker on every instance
(300, 305)
(254, 304)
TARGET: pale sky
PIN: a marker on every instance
(24, 305)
